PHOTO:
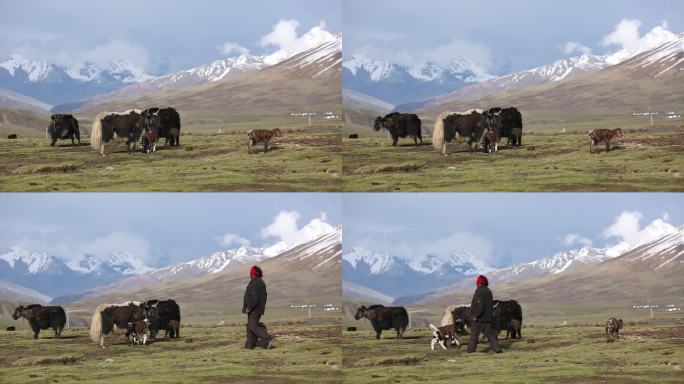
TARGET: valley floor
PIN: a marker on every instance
(300, 161)
(573, 354)
(641, 161)
(303, 353)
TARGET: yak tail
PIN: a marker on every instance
(438, 132)
(96, 324)
(448, 317)
(404, 317)
(96, 132)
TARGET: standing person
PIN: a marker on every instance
(254, 306)
(482, 308)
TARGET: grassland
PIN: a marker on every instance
(570, 354)
(304, 353)
(644, 160)
(301, 160)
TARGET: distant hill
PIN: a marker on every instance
(23, 122)
(354, 99)
(13, 100)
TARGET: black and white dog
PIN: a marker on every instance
(442, 335)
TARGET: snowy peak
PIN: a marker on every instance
(377, 262)
(662, 254)
(462, 262)
(665, 59)
(325, 251)
(214, 263)
(379, 70)
(35, 262)
(323, 59)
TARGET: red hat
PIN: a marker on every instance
(255, 271)
(481, 280)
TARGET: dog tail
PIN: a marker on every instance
(433, 327)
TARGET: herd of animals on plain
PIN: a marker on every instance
(457, 321)
(480, 129)
(141, 321)
(143, 128)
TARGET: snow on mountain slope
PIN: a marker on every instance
(666, 252)
(663, 60)
(56, 275)
(398, 276)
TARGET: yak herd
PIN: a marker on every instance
(481, 129)
(136, 128)
(457, 321)
(140, 321)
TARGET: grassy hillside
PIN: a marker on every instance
(23, 123)
(644, 160)
(304, 353)
(301, 160)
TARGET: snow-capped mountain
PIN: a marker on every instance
(662, 61)
(396, 276)
(52, 83)
(663, 254)
(55, 275)
(399, 84)
(556, 71)
(314, 239)
(557, 263)
(323, 57)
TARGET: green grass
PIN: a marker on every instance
(646, 353)
(301, 160)
(303, 353)
(643, 160)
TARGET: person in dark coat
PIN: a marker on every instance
(482, 308)
(255, 306)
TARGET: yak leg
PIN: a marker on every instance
(607, 145)
(591, 146)
(265, 146)
(78, 137)
(394, 140)
(444, 149)
(52, 144)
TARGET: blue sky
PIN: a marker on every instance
(497, 33)
(159, 227)
(158, 35)
(501, 228)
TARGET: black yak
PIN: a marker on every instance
(161, 313)
(383, 318)
(400, 125)
(165, 122)
(63, 127)
(107, 125)
(40, 317)
(507, 122)
(505, 312)
(106, 316)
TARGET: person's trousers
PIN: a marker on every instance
(255, 331)
(488, 329)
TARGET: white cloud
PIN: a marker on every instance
(573, 238)
(232, 48)
(286, 230)
(626, 37)
(285, 38)
(232, 238)
(573, 47)
(627, 230)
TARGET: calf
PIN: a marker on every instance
(12, 136)
(257, 136)
(138, 331)
(149, 141)
(440, 335)
(491, 142)
(384, 318)
(613, 327)
(598, 135)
